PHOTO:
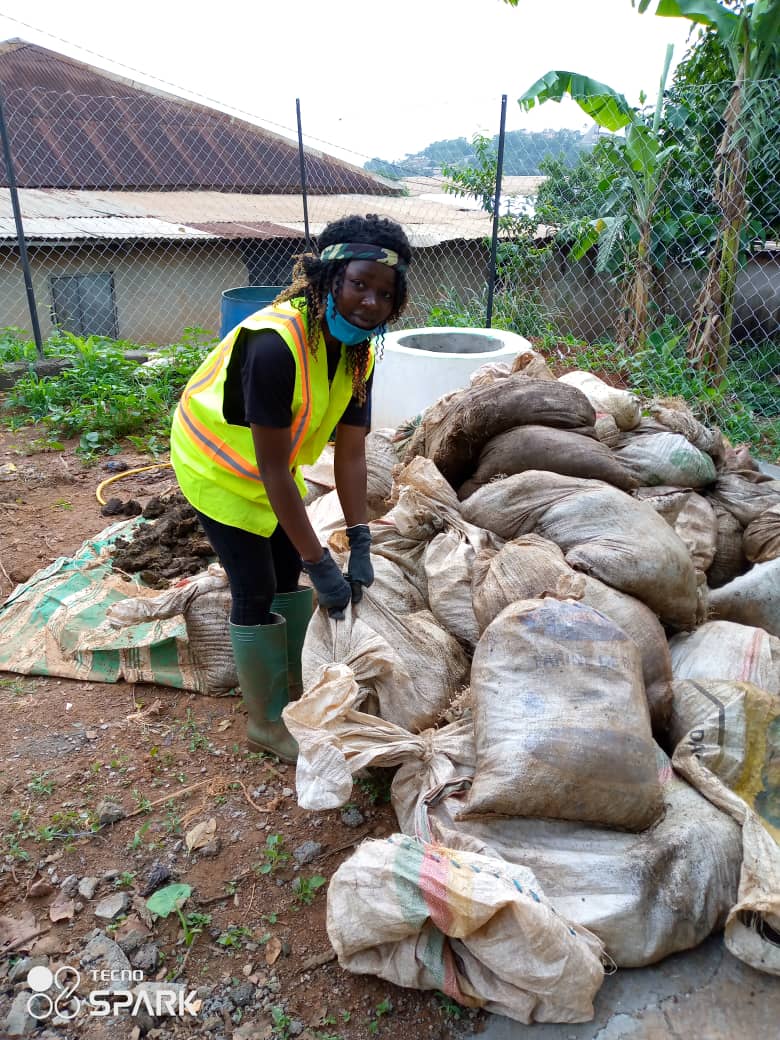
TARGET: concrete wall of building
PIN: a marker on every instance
(159, 290)
(585, 304)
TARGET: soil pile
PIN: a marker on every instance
(172, 547)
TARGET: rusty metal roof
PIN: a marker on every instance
(51, 215)
(72, 125)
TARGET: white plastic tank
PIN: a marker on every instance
(420, 365)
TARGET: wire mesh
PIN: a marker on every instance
(140, 210)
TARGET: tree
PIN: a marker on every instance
(640, 163)
(750, 36)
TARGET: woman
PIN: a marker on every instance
(265, 402)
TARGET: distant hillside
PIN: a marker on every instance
(523, 151)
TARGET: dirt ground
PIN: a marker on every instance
(159, 762)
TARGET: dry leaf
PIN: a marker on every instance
(225, 724)
(153, 709)
(201, 834)
(272, 950)
(62, 910)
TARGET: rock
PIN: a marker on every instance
(306, 852)
(131, 934)
(116, 466)
(111, 875)
(352, 817)
(18, 971)
(146, 958)
(242, 995)
(112, 906)
(108, 811)
(87, 887)
(20, 1022)
(70, 885)
(40, 888)
(103, 954)
(211, 849)
(296, 1027)
(158, 875)
(151, 989)
(114, 507)
(287, 792)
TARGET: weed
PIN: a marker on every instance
(125, 880)
(281, 1023)
(172, 818)
(449, 1008)
(193, 924)
(273, 855)
(15, 687)
(66, 825)
(234, 936)
(11, 839)
(101, 397)
(305, 889)
(376, 786)
(142, 802)
(138, 838)
(384, 1007)
(62, 503)
(189, 729)
(40, 785)
(113, 926)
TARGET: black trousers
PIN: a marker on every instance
(257, 568)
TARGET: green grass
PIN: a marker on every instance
(101, 398)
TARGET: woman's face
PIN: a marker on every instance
(367, 295)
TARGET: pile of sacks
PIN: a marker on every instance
(571, 656)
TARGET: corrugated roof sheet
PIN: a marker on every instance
(49, 214)
(72, 125)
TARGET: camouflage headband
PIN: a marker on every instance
(363, 251)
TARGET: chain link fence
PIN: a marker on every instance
(140, 210)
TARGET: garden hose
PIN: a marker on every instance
(125, 473)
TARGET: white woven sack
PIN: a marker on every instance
(622, 405)
(561, 722)
(726, 650)
(602, 531)
(752, 598)
(423, 916)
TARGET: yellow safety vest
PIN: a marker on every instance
(215, 461)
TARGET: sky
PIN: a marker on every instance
(373, 79)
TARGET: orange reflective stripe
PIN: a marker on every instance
(222, 453)
(303, 419)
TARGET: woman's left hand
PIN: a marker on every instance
(360, 571)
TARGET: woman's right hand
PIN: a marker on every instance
(333, 591)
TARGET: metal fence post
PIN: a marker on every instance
(9, 168)
(302, 160)
(496, 204)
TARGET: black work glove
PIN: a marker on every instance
(333, 591)
(360, 572)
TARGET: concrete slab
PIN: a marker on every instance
(702, 994)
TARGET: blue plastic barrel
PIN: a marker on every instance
(238, 304)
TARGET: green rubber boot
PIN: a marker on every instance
(296, 608)
(260, 653)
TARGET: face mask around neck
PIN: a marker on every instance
(344, 331)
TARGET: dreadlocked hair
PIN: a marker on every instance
(313, 279)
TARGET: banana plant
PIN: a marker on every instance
(640, 163)
(751, 37)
